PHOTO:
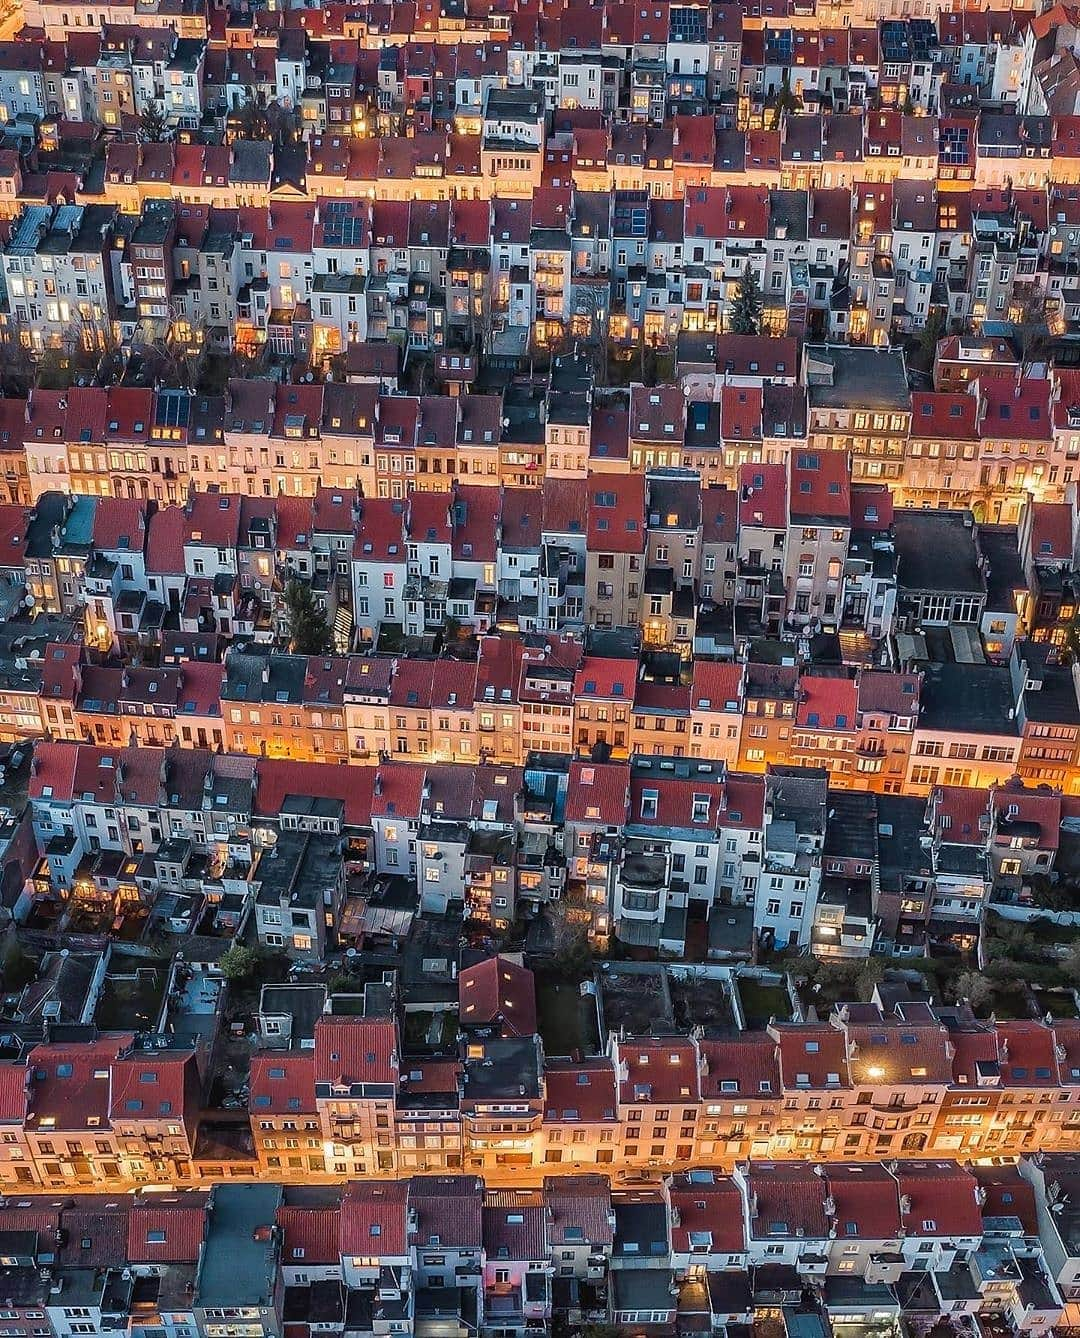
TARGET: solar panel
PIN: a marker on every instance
(172, 408)
(343, 227)
(688, 25)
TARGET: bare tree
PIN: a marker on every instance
(1029, 315)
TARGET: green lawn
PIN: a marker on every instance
(1007, 1005)
(131, 1002)
(566, 1018)
(428, 1028)
(762, 1001)
(1058, 1003)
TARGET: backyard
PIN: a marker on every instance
(699, 1000)
(426, 1029)
(762, 1001)
(131, 995)
(566, 1018)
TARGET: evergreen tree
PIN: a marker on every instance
(238, 962)
(309, 632)
(153, 127)
(747, 306)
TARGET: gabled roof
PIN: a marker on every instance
(282, 1084)
(706, 1208)
(449, 1210)
(374, 1219)
(353, 1050)
(168, 1231)
(938, 1198)
(787, 1200)
(864, 1200)
(498, 992)
(579, 1090)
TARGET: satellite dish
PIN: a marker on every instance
(29, 601)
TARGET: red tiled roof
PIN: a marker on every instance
(790, 1201)
(826, 703)
(294, 522)
(946, 415)
(282, 1084)
(374, 1219)
(598, 792)
(740, 412)
(1015, 410)
(579, 1091)
(213, 519)
(757, 355)
(889, 1052)
(200, 688)
(70, 1084)
(883, 693)
(974, 1052)
(743, 1066)
(1026, 1054)
(350, 1050)
(380, 531)
(871, 506)
(311, 1231)
(718, 515)
(1051, 531)
(812, 1055)
(165, 541)
(276, 778)
(13, 526)
(580, 1208)
(717, 686)
(96, 1233)
(52, 774)
(449, 1208)
(1067, 1033)
(819, 486)
(119, 524)
(12, 1093)
(706, 1203)
(961, 815)
(151, 1086)
(616, 513)
(938, 1199)
(745, 806)
(601, 678)
(515, 1225)
(168, 1231)
(1007, 1194)
(498, 991)
(1011, 804)
(866, 1204)
(763, 496)
(658, 1071)
(675, 805)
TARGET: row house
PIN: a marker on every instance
(696, 1245)
(925, 1082)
